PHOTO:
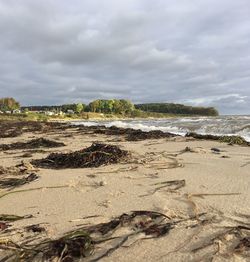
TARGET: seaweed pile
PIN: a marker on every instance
(34, 143)
(97, 241)
(88, 241)
(132, 134)
(232, 140)
(94, 156)
(16, 128)
(12, 177)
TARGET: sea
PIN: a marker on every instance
(221, 125)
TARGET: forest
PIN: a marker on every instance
(179, 109)
(114, 106)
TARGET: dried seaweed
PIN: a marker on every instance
(129, 133)
(232, 140)
(12, 218)
(11, 182)
(194, 206)
(94, 156)
(228, 237)
(3, 226)
(85, 241)
(35, 228)
(34, 143)
(16, 128)
(171, 186)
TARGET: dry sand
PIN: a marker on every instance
(112, 190)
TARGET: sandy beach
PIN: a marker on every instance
(201, 186)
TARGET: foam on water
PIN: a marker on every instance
(224, 125)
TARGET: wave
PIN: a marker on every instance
(232, 125)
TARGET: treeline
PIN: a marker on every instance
(112, 106)
(125, 107)
(171, 108)
(8, 104)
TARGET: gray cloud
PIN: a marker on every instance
(194, 52)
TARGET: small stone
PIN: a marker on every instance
(102, 183)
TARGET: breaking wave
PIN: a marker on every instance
(224, 125)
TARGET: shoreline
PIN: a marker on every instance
(210, 193)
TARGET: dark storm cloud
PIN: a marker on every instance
(195, 52)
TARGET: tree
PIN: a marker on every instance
(126, 106)
(94, 106)
(79, 108)
(8, 104)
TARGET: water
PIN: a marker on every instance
(222, 125)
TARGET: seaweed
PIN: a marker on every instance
(34, 143)
(3, 226)
(232, 140)
(171, 186)
(16, 128)
(12, 182)
(86, 241)
(36, 228)
(12, 218)
(129, 133)
(239, 234)
(94, 156)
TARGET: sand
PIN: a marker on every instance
(215, 183)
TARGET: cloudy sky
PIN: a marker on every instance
(187, 51)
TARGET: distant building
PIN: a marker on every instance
(49, 113)
(16, 111)
(60, 113)
(69, 111)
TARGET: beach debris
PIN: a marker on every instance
(131, 134)
(190, 200)
(27, 154)
(102, 183)
(16, 128)
(232, 140)
(94, 156)
(3, 226)
(89, 241)
(244, 244)
(36, 228)
(171, 186)
(34, 143)
(121, 169)
(158, 160)
(232, 240)
(20, 169)
(10, 176)
(246, 164)
(12, 182)
(192, 150)
(138, 135)
(25, 166)
(12, 218)
(172, 163)
(215, 150)
(105, 203)
(224, 156)
(145, 176)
